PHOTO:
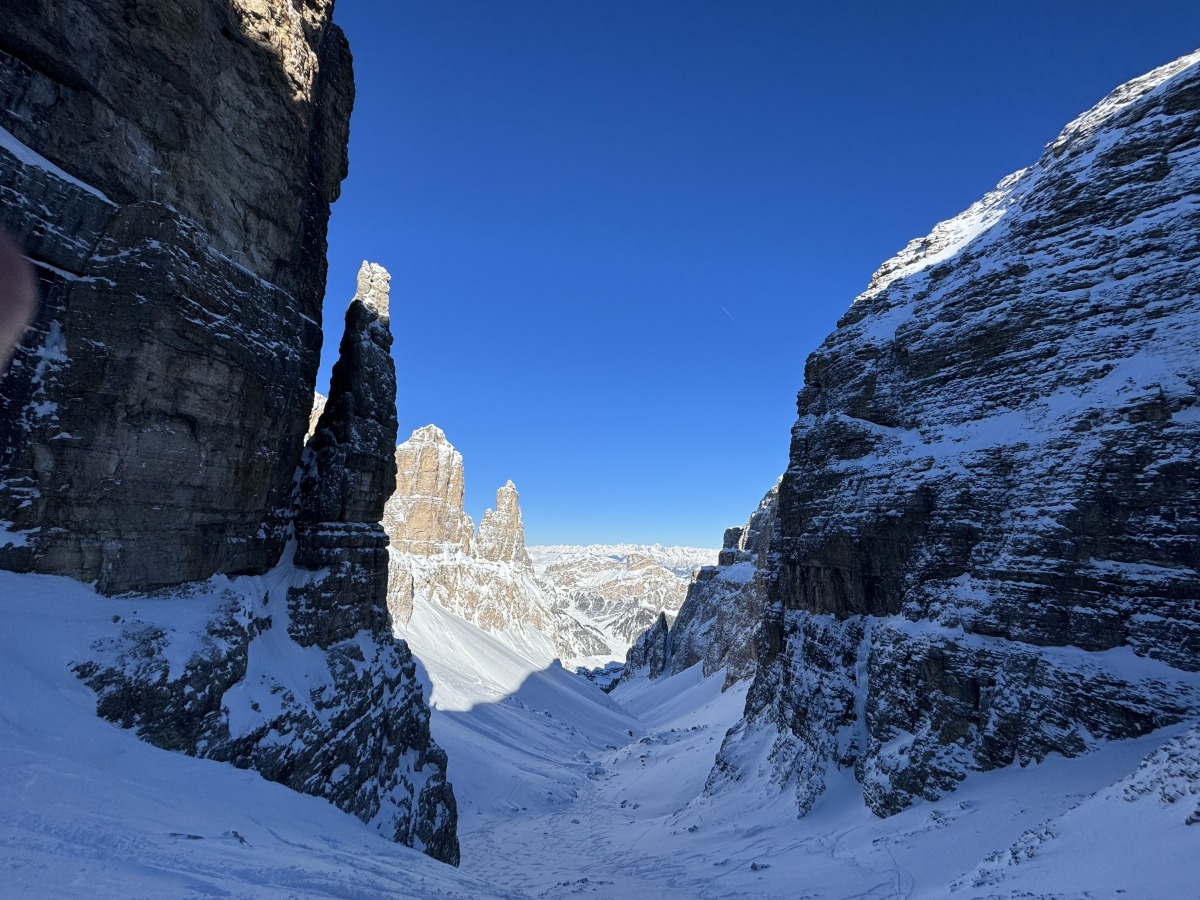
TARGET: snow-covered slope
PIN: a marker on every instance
(563, 791)
(566, 791)
(87, 810)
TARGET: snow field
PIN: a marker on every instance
(562, 791)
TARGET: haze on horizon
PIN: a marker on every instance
(616, 231)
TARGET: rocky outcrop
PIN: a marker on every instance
(651, 652)
(296, 674)
(717, 621)
(169, 171)
(348, 474)
(425, 515)
(435, 551)
(987, 543)
(227, 681)
(501, 531)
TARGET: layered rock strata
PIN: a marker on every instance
(987, 541)
(426, 516)
(297, 675)
(169, 170)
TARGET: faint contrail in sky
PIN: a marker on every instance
(728, 313)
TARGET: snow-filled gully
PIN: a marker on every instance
(566, 791)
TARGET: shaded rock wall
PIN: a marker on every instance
(721, 614)
(987, 542)
(348, 476)
(296, 674)
(651, 652)
(169, 169)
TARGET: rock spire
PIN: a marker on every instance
(349, 473)
(501, 531)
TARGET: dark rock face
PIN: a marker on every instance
(349, 474)
(652, 650)
(717, 622)
(169, 170)
(987, 540)
(359, 735)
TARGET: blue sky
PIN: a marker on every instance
(616, 229)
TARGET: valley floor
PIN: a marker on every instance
(563, 791)
(566, 791)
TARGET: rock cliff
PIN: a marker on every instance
(425, 515)
(987, 539)
(169, 170)
(296, 674)
(651, 652)
(347, 476)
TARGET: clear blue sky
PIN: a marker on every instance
(616, 229)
